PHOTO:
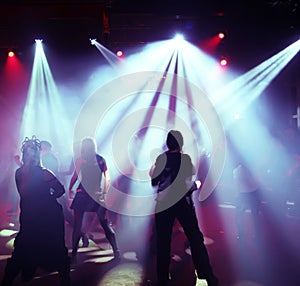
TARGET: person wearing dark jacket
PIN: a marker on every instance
(40, 241)
(172, 173)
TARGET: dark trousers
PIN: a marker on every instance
(108, 230)
(25, 262)
(249, 201)
(185, 213)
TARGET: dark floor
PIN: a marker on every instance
(270, 258)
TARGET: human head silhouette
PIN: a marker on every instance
(31, 149)
(174, 140)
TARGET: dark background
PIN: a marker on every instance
(255, 30)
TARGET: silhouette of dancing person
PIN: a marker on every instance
(247, 190)
(170, 173)
(40, 241)
(89, 196)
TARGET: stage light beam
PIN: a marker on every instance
(44, 114)
(111, 57)
(241, 92)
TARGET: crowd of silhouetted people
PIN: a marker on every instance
(44, 207)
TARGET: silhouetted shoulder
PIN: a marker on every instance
(18, 171)
(48, 175)
(101, 162)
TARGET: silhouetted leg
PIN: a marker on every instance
(68, 215)
(64, 272)
(108, 230)
(188, 220)
(239, 223)
(28, 271)
(11, 271)
(255, 210)
(164, 224)
(78, 218)
(239, 217)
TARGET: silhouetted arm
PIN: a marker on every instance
(74, 176)
(54, 183)
(106, 181)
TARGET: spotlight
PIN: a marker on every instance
(119, 53)
(38, 41)
(178, 41)
(179, 37)
(93, 41)
(11, 54)
(223, 62)
(221, 35)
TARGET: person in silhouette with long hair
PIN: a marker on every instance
(90, 196)
(172, 174)
(40, 241)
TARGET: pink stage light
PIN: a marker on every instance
(223, 62)
(120, 54)
(221, 35)
(11, 54)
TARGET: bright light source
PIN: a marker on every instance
(120, 53)
(11, 54)
(38, 41)
(178, 41)
(179, 37)
(221, 35)
(93, 41)
(223, 62)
